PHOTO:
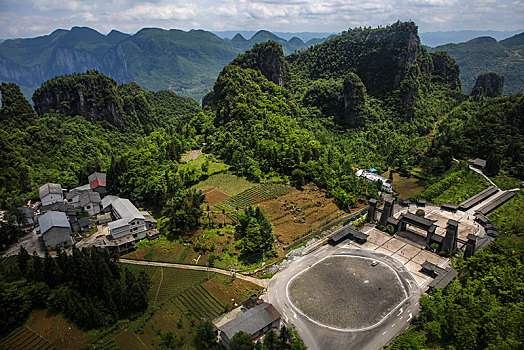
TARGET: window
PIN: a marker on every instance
(88, 207)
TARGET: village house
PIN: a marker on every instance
(97, 182)
(90, 202)
(73, 196)
(55, 229)
(255, 321)
(50, 193)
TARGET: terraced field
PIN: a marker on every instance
(250, 197)
(167, 282)
(24, 338)
(199, 302)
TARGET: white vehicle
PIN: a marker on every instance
(374, 263)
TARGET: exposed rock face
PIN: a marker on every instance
(488, 85)
(268, 58)
(354, 93)
(445, 70)
(91, 95)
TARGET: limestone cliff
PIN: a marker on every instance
(91, 95)
(268, 58)
(488, 85)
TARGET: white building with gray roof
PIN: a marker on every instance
(50, 193)
(128, 220)
(55, 229)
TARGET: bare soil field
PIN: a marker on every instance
(346, 292)
(299, 212)
(214, 196)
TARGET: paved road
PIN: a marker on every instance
(262, 283)
(318, 337)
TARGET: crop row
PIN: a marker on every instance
(24, 338)
(199, 302)
(252, 196)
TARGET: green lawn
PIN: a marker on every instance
(215, 165)
(225, 182)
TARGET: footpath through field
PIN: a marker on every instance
(263, 283)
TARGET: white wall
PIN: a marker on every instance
(52, 198)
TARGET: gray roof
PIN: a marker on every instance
(479, 197)
(148, 217)
(52, 219)
(95, 176)
(117, 223)
(28, 212)
(107, 201)
(48, 188)
(89, 197)
(251, 321)
(84, 222)
(478, 162)
(126, 210)
(452, 222)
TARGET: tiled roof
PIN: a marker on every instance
(52, 219)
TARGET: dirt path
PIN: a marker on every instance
(260, 282)
(160, 283)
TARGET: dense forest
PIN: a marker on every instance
(88, 287)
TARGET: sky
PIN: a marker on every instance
(29, 18)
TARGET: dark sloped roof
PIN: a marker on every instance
(84, 222)
(479, 197)
(411, 218)
(485, 209)
(449, 206)
(443, 279)
(452, 222)
(348, 230)
(252, 320)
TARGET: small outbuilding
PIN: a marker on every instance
(97, 182)
(91, 202)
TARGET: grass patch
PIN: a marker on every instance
(455, 186)
(225, 182)
(508, 217)
(406, 186)
(215, 165)
(506, 182)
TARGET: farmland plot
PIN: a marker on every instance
(24, 338)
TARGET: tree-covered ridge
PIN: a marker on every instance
(484, 128)
(69, 140)
(485, 54)
(184, 62)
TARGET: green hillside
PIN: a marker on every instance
(485, 54)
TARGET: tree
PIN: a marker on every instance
(241, 341)
(205, 336)
(493, 164)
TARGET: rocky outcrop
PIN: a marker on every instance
(488, 85)
(445, 70)
(91, 95)
(354, 93)
(268, 58)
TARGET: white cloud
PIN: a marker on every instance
(38, 17)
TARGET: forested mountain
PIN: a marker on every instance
(156, 59)
(484, 55)
(289, 46)
(83, 120)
